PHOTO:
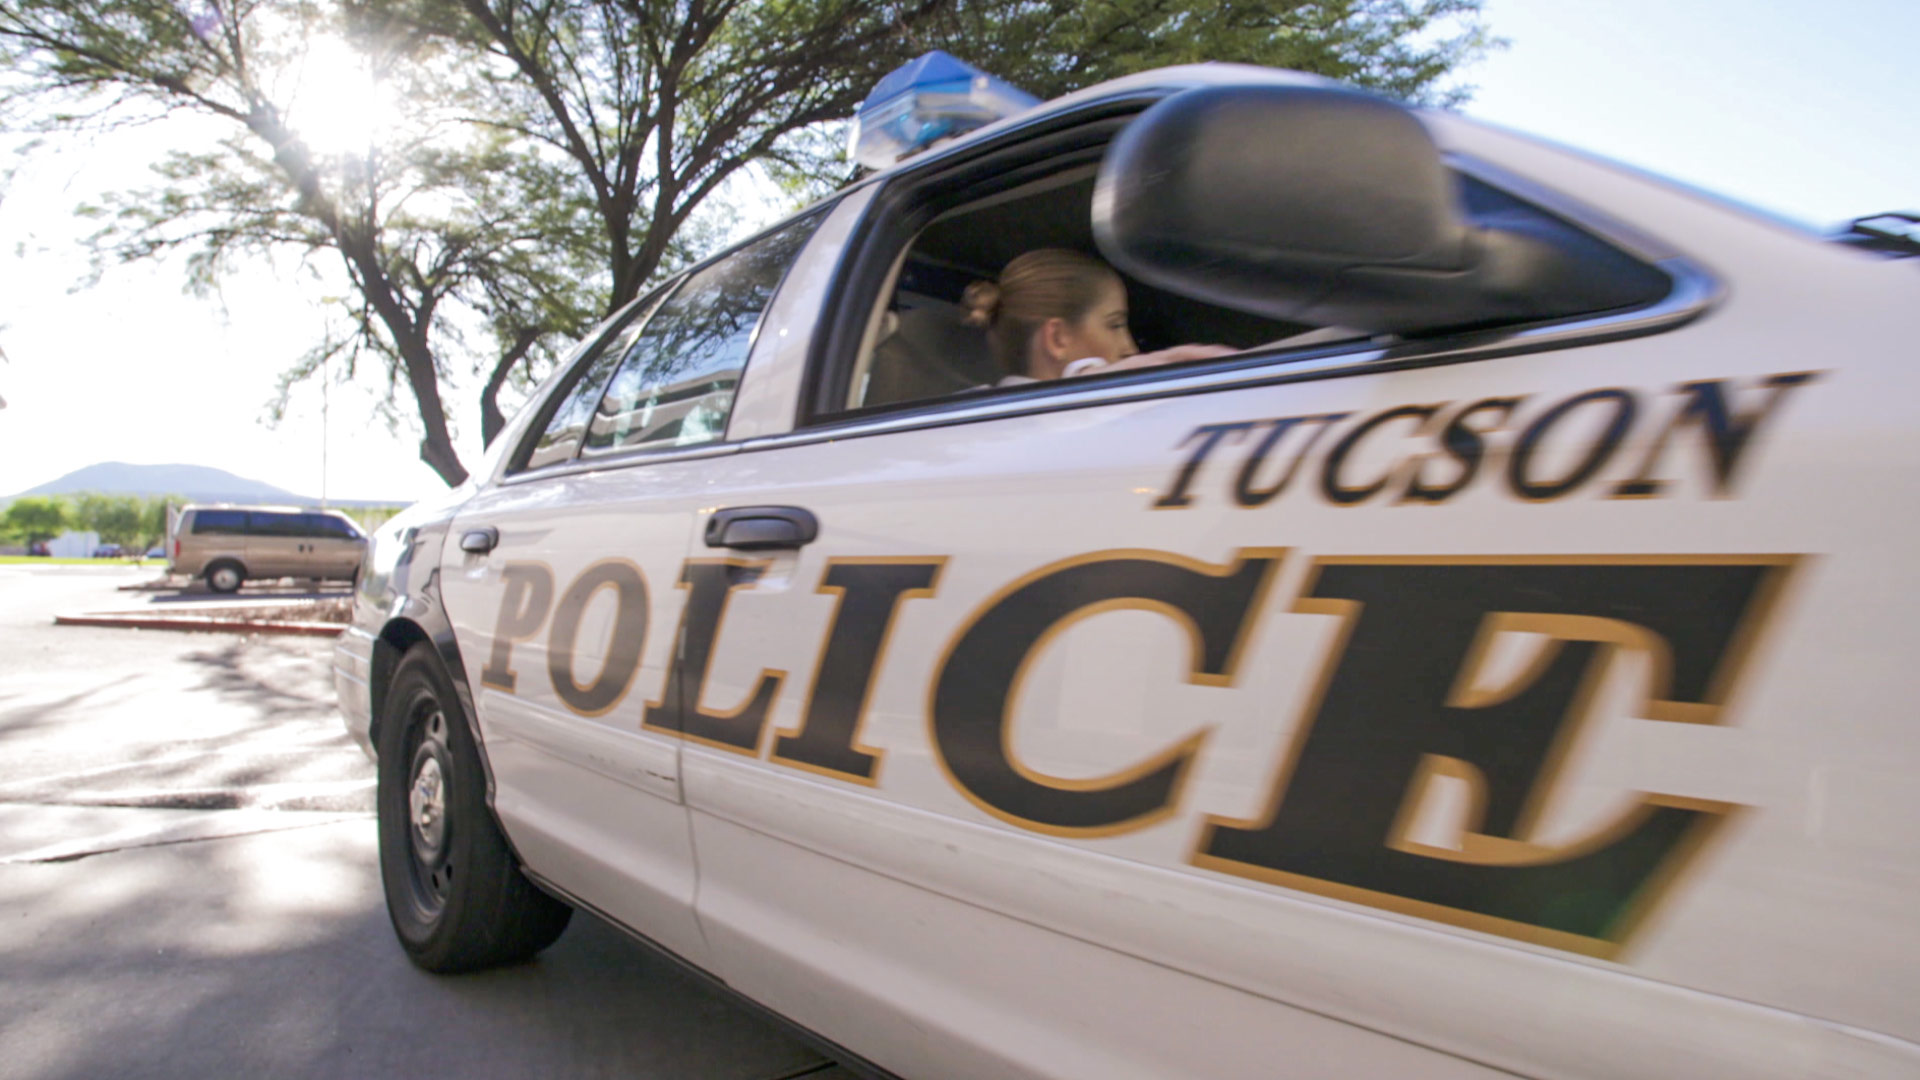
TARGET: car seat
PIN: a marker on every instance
(930, 353)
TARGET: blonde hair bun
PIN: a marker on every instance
(982, 301)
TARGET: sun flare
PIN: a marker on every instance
(339, 106)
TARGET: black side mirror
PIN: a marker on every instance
(1332, 207)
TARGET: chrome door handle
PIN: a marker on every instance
(760, 528)
(479, 541)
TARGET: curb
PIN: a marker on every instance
(188, 622)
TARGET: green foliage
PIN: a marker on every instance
(33, 518)
(556, 157)
(372, 517)
(117, 518)
(154, 513)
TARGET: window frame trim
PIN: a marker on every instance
(816, 215)
(1692, 293)
(514, 469)
(649, 302)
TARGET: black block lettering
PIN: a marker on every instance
(526, 596)
(623, 648)
(1404, 705)
(869, 592)
(709, 584)
(978, 681)
(1728, 433)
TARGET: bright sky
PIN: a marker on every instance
(1807, 111)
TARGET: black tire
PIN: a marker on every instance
(225, 576)
(457, 899)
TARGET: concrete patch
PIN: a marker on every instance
(38, 832)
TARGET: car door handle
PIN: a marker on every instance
(479, 541)
(758, 528)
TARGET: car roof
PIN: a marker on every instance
(1167, 80)
(276, 508)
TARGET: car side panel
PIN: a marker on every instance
(568, 626)
(1768, 950)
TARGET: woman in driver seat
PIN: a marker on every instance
(1057, 314)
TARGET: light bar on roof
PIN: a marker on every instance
(931, 98)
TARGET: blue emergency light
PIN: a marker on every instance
(930, 98)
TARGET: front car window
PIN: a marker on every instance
(675, 385)
(328, 526)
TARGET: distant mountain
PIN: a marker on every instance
(197, 482)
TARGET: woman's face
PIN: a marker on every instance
(1101, 332)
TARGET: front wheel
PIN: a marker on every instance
(457, 900)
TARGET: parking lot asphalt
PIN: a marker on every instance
(188, 886)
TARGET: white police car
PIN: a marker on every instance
(1519, 680)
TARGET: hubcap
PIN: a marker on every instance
(427, 805)
(428, 792)
(223, 579)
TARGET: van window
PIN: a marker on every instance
(220, 522)
(328, 526)
(267, 523)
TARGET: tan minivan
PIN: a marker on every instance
(229, 544)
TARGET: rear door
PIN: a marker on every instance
(567, 603)
(276, 544)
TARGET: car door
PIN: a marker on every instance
(565, 589)
(276, 543)
(1378, 702)
(333, 545)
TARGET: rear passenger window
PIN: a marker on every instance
(561, 439)
(675, 385)
(261, 523)
(220, 522)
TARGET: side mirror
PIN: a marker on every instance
(1332, 207)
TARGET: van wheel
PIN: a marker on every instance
(225, 577)
(456, 897)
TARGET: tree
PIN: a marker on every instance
(35, 518)
(433, 238)
(154, 514)
(657, 106)
(558, 155)
(116, 518)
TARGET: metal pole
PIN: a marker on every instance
(324, 395)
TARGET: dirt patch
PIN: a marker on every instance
(331, 609)
(322, 616)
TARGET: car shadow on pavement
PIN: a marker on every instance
(271, 955)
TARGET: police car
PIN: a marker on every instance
(1502, 665)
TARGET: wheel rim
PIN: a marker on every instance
(224, 578)
(429, 792)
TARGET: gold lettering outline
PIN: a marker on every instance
(939, 564)
(1511, 483)
(1188, 747)
(1430, 424)
(508, 668)
(639, 661)
(713, 648)
(1648, 898)
(1490, 455)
